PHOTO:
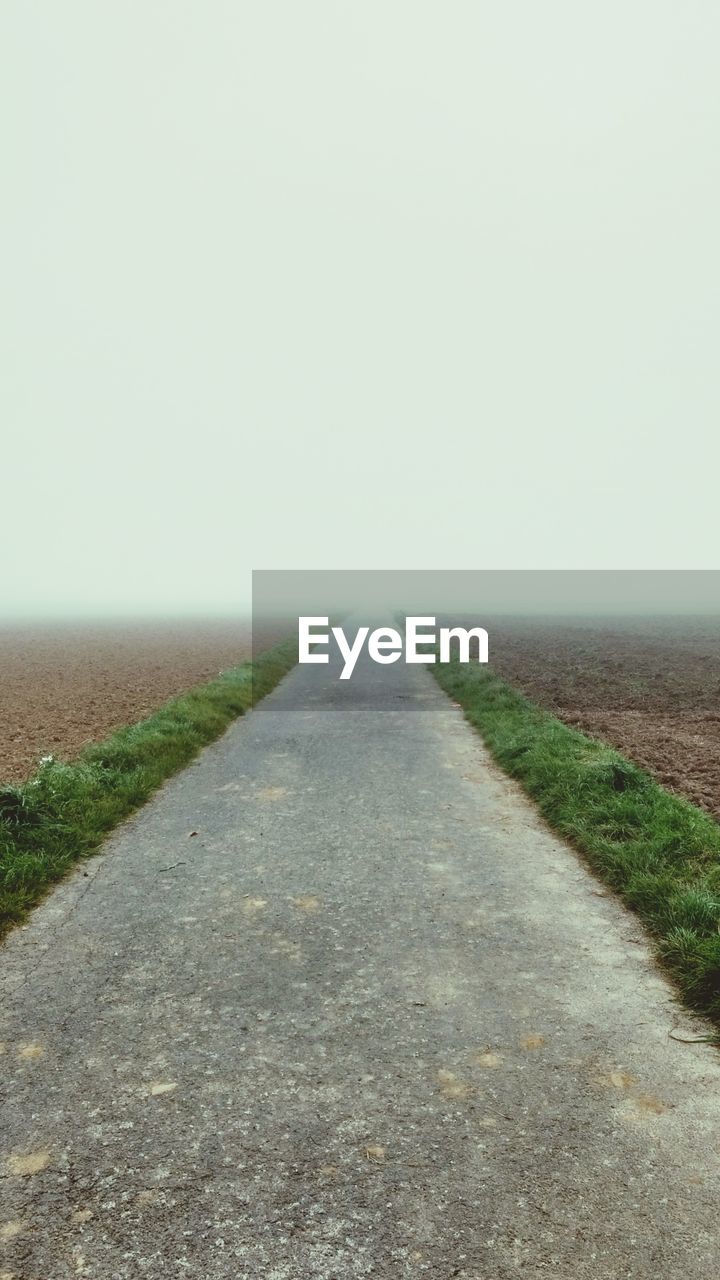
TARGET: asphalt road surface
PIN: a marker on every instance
(373, 1019)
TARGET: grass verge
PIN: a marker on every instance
(65, 810)
(656, 850)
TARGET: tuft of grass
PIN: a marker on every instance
(656, 850)
(65, 810)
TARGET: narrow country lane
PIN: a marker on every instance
(371, 1020)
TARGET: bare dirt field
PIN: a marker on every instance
(651, 687)
(63, 685)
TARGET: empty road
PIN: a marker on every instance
(373, 1019)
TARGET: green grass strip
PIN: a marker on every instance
(65, 810)
(656, 850)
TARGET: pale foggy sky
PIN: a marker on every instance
(334, 285)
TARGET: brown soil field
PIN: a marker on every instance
(648, 686)
(651, 687)
(63, 685)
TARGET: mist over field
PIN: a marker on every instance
(389, 964)
(487, 592)
(288, 285)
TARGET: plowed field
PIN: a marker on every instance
(651, 687)
(64, 685)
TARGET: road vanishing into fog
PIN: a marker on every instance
(373, 1019)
